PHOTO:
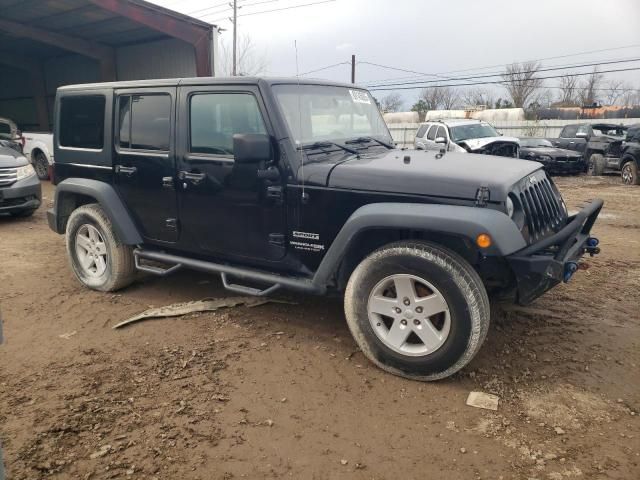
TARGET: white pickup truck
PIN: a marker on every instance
(38, 148)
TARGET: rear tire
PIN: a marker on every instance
(596, 164)
(629, 173)
(41, 166)
(428, 343)
(98, 259)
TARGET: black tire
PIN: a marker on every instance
(118, 261)
(41, 165)
(596, 164)
(457, 282)
(629, 173)
(24, 213)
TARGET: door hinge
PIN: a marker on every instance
(482, 196)
(171, 224)
(274, 192)
(277, 239)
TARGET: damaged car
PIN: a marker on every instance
(465, 135)
(555, 160)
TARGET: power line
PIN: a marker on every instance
(227, 7)
(502, 82)
(325, 68)
(278, 9)
(223, 4)
(577, 54)
(504, 73)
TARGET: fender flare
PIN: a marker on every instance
(108, 199)
(462, 221)
(40, 146)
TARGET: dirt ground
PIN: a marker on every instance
(281, 390)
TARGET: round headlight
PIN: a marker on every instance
(510, 209)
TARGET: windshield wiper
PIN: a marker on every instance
(325, 144)
(370, 139)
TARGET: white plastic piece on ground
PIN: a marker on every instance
(483, 400)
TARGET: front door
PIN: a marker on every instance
(145, 160)
(226, 208)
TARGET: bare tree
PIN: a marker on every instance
(631, 98)
(474, 97)
(439, 98)
(251, 60)
(391, 103)
(521, 82)
(568, 91)
(449, 98)
(616, 90)
(589, 88)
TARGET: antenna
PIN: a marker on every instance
(299, 147)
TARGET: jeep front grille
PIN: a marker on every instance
(8, 176)
(543, 209)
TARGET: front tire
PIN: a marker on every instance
(629, 173)
(417, 310)
(596, 164)
(98, 259)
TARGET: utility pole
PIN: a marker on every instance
(353, 69)
(235, 34)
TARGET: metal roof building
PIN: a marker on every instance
(45, 44)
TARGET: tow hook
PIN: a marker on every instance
(592, 246)
(569, 269)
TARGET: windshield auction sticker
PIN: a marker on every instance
(358, 96)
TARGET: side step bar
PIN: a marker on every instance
(177, 262)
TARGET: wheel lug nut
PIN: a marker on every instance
(419, 309)
(398, 310)
(403, 322)
(406, 301)
(416, 322)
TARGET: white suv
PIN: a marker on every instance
(473, 136)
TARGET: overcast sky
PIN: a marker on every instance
(430, 36)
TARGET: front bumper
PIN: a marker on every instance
(543, 265)
(25, 194)
(566, 167)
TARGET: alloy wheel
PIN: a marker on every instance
(91, 251)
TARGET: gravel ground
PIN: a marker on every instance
(281, 390)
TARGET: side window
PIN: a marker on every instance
(584, 129)
(82, 122)
(432, 132)
(421, 130)
(569, 131)
(442, 132)
(144, 122)
(216, 117)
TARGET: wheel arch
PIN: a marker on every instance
(75, 192)
(454, 227)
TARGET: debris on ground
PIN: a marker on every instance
(206, 305)
(483, 400)
(67, 335)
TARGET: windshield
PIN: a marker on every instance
(473, 130)
(535, 142)
(317, 113)
(609, 131)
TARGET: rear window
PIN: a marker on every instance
(144, 121)
(82, 122)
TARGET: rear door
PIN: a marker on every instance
(568, 134)
(226, 208)
(144, 159)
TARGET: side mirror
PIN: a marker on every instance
(581, 135)
(251, 147)
(440, 140)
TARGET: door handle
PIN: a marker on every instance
(128, 171)
(195, 178)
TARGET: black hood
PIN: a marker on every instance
(455, 175)
(552, 152)
(10, 158)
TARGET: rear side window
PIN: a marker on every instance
(569, 131)
(441, 133)
(216, 117)
(144, 122)
(432, 132)
(421, 131)
(82, 122)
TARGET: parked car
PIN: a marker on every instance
(598, 143)
(295, 184)
(630, 156)
(38, 148)
(20, 191)
(473, 136)
(10, 136)
(555, 160)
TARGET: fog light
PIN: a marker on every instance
(483, 240)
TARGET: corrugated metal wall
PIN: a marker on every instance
(161, 59)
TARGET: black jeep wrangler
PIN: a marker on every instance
(281, 184)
